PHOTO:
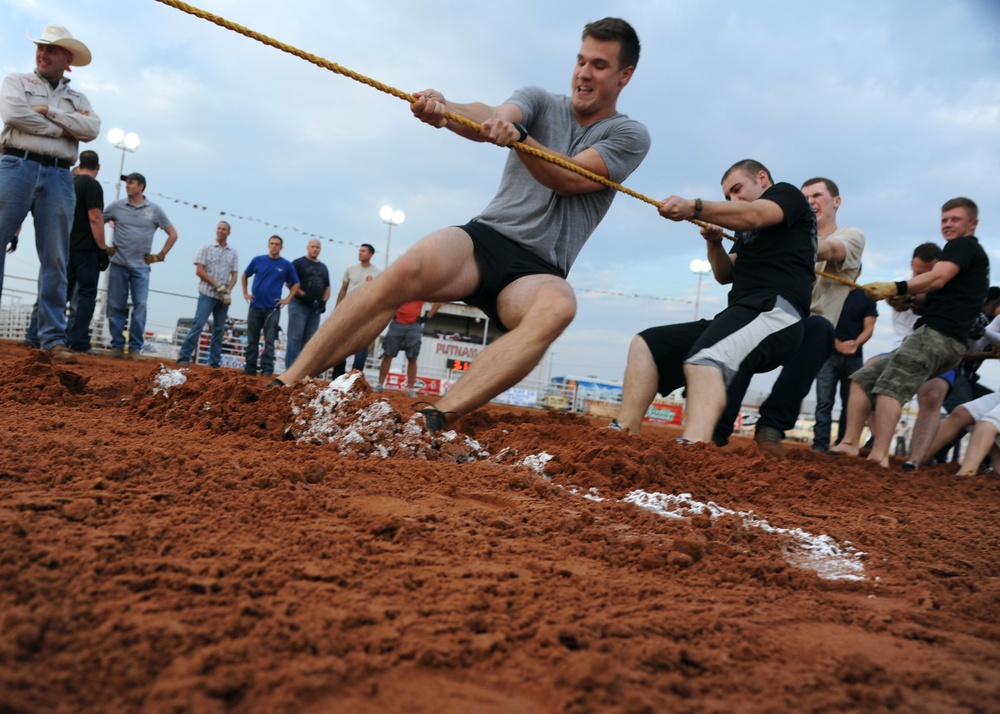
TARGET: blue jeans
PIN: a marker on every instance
(359, 360)
(267, 320)
(781, 408)
(834, 374)
(121, 282)
(84, 275)
(207, 307)
(303, 321)
(48, 193)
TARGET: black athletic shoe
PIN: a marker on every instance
(909, 466)
(435, 420)
(275, 383)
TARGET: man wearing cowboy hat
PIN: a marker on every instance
(44, 122)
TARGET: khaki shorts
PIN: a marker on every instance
(924, 354)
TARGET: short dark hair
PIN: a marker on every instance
(748, 166)
(89, 160)
(927, 251)
(830, 185)
(227, 224)
(370, 247)
(962, 202)
(614, 29)
(280, 240)
(993, 294)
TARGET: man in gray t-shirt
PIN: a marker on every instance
(512, 260)
(135, 220)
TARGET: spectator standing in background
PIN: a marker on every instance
(270, 273)
(854, 329)
(135, 220)
(216, 266)
(309, 302)
(44, 121)
(406, 332)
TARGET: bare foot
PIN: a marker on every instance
(966, 472)
(883, 462)
(845, 449)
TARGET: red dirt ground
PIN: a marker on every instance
(184, 553)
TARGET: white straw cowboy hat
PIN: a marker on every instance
(59, 36)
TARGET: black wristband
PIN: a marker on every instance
(901, 287)
(521, 130)
(697, 207)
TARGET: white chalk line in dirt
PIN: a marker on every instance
(331, 416)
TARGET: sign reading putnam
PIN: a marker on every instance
(462, 350)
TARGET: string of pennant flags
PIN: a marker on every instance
(293, 229)
(613, 293)
(230, 214)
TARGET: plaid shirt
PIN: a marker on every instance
(220, 263)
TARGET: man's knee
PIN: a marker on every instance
(932, 393)
(961, 416)
(638, 350)
(563, 310)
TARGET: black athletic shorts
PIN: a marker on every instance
(501, 261)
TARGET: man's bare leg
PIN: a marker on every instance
(706, 400)
(950, 428)
(537, 308)
(639, 386)
(383, 369)
(439, 267)
(930, 397)
(887, 413)
(859, 407)
(411, 373)
(981, 443)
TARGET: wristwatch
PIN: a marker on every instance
(523, 133)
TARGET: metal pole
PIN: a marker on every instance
(388, 239)
(121, 169)
(697, 296)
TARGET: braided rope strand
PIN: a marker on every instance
(382, 87)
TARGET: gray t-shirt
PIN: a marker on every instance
(555, 227)
(135, 227)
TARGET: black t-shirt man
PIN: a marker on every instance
(780, 258)
(89, 194)
(314, 279)
(953, 309)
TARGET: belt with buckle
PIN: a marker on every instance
(38, 158)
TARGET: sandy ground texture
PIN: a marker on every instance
(212, 546)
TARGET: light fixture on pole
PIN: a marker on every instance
(126, 142)
(701, 268)
(392, 218)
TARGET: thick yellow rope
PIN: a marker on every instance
(837, 279)
(375, 84)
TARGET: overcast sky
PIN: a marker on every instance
(898, 102)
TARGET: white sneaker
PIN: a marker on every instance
(411, 393)
(377, 389)
(614, 425)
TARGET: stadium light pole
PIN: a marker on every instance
(126, 142)
(700, 268)
(392, 218)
